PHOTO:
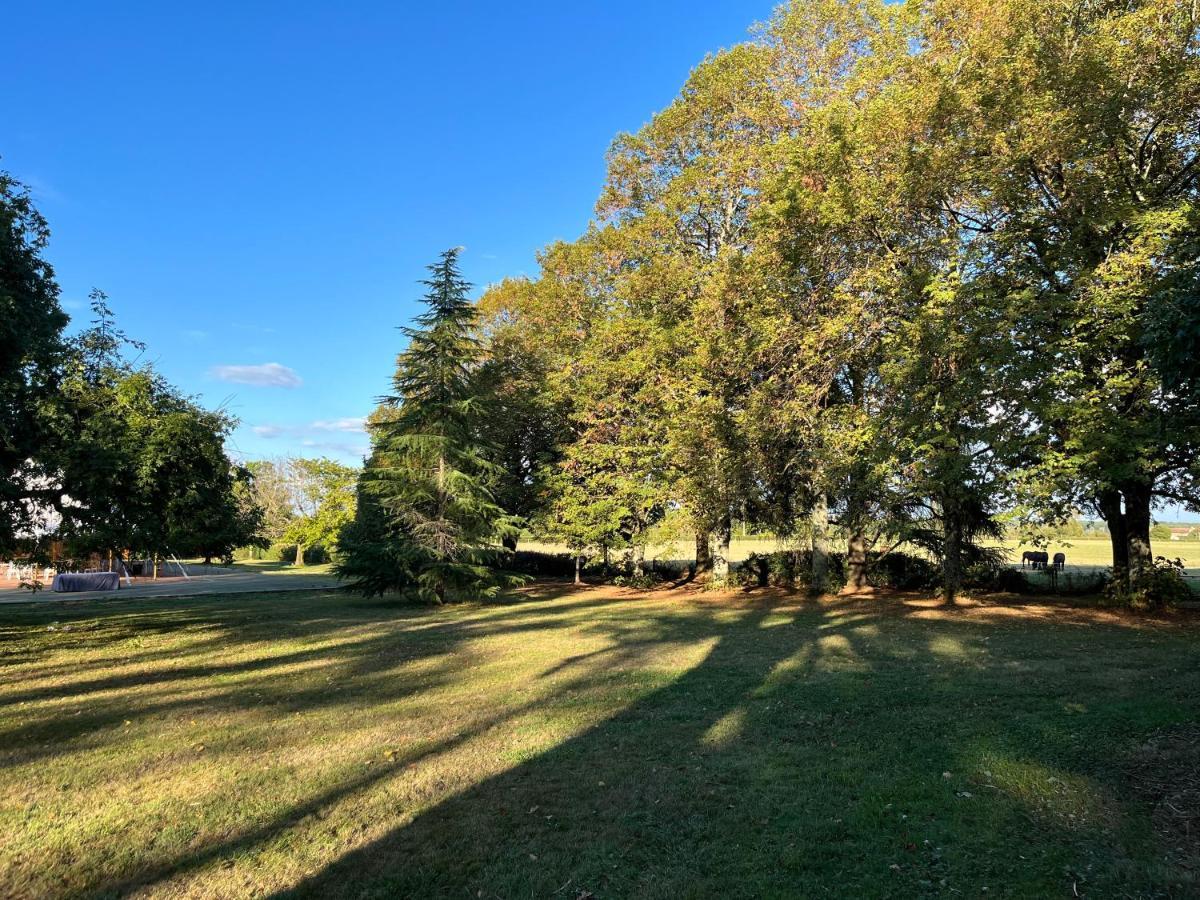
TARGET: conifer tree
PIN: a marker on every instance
(434, 523)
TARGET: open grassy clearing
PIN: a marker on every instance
(596, 741)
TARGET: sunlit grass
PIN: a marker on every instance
(1089, 552)
(671, 744)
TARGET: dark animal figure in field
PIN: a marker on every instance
(1037, 559)
(1060, 560)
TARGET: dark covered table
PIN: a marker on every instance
(86, 581)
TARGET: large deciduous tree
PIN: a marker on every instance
(321, 495)
(31, 353)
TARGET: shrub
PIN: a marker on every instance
(1011, 581)
(1163, 584)
(788, 568)
(541, 565)
(314, 555)
(904, 572)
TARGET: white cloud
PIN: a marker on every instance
(265, 375)
(268, 431)
(351, 424)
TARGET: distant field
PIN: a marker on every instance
(1080, 551)
(1098, 551)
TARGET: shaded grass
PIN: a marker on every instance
(667, 744)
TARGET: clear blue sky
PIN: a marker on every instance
(257, 183)
(257, 186)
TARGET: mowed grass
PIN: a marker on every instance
(595, 742)
(271, 566)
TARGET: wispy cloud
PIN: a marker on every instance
(351, 424)
(339, 447)
(265, 375)
(316, 434)
(41, 189)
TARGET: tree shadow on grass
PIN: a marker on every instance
(359, 650)
(752, 774)
(803, 754)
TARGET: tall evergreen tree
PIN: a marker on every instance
(427, 486)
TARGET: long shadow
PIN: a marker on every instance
(357, 670)
(638, 792)
(633, 642)
(731, 781)
(747, 775)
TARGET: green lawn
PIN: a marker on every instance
(278, 567)
(596, 743)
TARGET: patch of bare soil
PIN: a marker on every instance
(1165, 771)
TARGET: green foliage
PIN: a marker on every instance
(144, 466)
(31, 351)
(1161, 585)
(271, 488)
(840, 284)
(322, 495)
(429, 520)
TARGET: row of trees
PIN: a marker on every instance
(886, 270)
(96, 449)
(305, 503)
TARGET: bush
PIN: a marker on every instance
(788, 568)
(313, 555)
(250, 553)
(541, 565)
(669, 570)
(904, 572)
(1163, 584)
(1011, 581)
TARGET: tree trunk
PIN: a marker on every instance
(1109, 503)
(155, 567)
(703, 553)
(579, 568)
(721, 536)
(951, 553)
(819, 518)
(299, 554)
(509, 541)
(606, 565)
(1137, 496)
(856, 564)
(639, 561)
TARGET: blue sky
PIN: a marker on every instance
(257, 186)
